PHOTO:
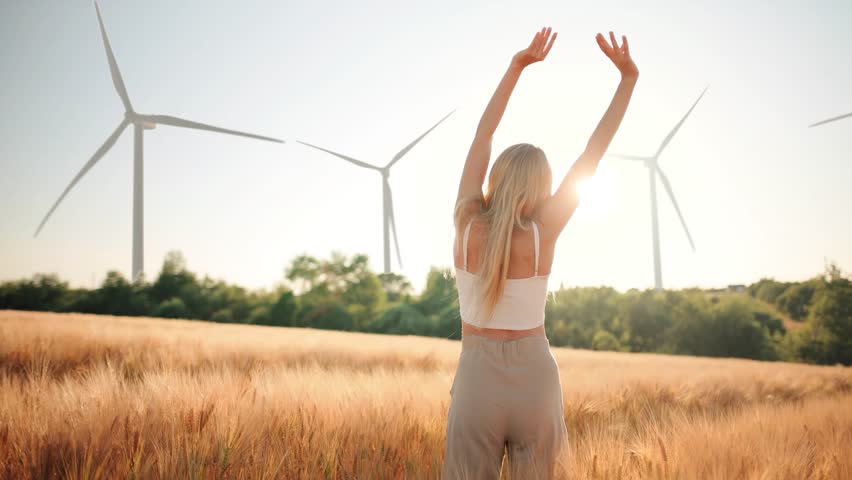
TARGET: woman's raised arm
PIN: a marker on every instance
(479, 155)
(556, 212)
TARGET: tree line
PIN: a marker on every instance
(342, 293)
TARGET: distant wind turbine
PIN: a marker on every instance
(388, 219)
(653, 170)
(829, 120)
(141, 122)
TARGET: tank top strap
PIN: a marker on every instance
(535, 234)
(464, 242)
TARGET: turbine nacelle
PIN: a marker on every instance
(138, 119)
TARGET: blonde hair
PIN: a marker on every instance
(519, 181)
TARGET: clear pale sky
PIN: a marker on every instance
(763, 195)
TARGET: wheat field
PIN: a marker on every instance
(92, 397)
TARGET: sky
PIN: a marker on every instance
(762, 194)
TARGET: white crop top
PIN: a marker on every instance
(521, 306)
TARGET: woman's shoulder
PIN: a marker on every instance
(466, 209)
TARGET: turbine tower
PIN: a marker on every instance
(388, 220)
(829, 120)
(654, 169)
(140, 122)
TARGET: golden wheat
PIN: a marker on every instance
(84, 396)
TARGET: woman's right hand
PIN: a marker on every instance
(620, 55)
(538, 49)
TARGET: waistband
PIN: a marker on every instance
(519, 345)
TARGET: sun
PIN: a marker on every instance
(598, 193)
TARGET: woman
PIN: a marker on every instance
(507, 392)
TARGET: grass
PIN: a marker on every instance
(85, 396)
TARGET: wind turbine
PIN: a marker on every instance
(140, 122)
(387, 196)
(653, 170)
(829, 120)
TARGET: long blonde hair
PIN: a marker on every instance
(519, 181)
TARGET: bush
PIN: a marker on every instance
(223, 316)
(283, 312)
(402, 320)
(796, 299)
(447, 323)
(329, 317)
(827, 337)
(172, 308)
(42, 292)
(259, 315)
(604, 340)
(767, 290)
(735, 333)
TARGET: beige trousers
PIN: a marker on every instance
(505, 395)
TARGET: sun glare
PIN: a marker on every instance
(597, 194)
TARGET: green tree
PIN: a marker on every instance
(767, 289)
(344, 281)
(574, 315)
(176, 281)
(222, 316)
(397, 288)
(42, 292)
(304, 271)
(439, 304)
(726, 328)
(796, 299)
(827, 336)
(690, 320)
(115, 296)
(172, 308)
(647, 316)
(364, 288)
(402, 320)
(330, 317)
(604, 340)
(283, 312)
(735, 333)
(447, 323)
(210, 296)
(440, 292)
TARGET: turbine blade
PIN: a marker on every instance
(628, 157)
(180, 122)
(389, 194)
(117, 81)
(668, 186)
(829, 120)
(411, 145)
(110, 141)
(677, 127)
(348, 159)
